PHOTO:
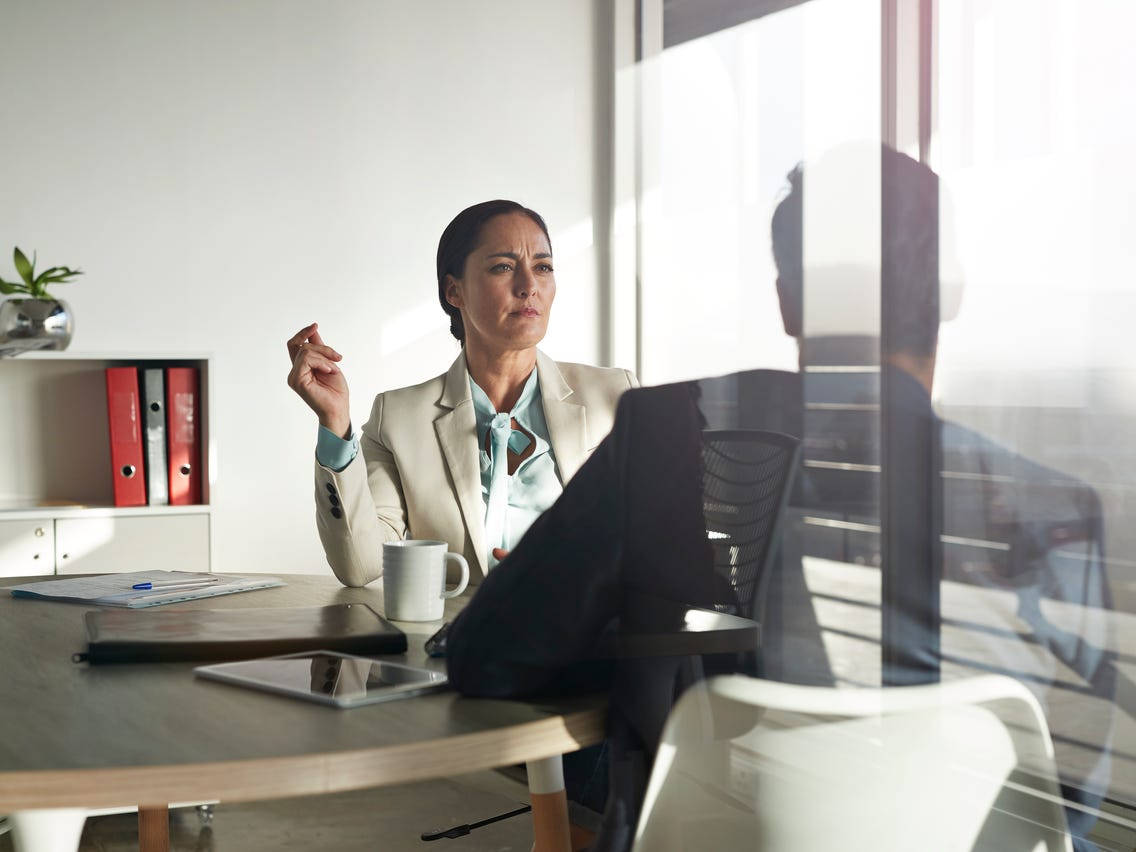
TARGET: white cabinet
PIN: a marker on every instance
(102, 545)
(57, 512)
(104, 542)
(27, 547)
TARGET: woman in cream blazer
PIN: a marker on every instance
(421, 468)
(416, 470)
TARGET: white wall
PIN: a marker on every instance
(227, 172)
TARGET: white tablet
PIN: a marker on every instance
(341, 680)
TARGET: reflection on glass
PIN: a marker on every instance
(950, 344)
(1034, 139)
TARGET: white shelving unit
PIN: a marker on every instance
(57, 512)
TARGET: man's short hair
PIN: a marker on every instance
(909, 257)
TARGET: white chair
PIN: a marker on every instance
(752, 764)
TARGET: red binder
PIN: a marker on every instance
(183, 431)
(126, 448)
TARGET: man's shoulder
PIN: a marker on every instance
(776, 392)
(660, 406)
(1037, 491)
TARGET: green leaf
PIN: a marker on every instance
(26, 270)
(8, 289)
(43, 276)
(56, 274)
(63, 277)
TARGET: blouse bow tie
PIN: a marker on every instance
(510, 440)
(508, 444)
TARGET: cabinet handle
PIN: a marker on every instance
(65, 555)
(39, 532)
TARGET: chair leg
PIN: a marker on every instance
(47, 831)
(154, 828)
(549, 805)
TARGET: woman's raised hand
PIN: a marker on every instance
(317, 379)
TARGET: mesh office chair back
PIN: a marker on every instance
(746, 479)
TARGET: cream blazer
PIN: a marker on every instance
(418, 468)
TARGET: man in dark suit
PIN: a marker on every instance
(631, 521)
(991, 561)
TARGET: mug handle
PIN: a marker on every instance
(463, 582)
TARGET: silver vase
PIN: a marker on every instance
(27, 324)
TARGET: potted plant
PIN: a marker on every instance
(38, 321)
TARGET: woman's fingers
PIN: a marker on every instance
(299, 339)
(319, 351)
(310, 361)
(308, 339)
(500, 553)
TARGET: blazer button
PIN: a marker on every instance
(330, 487)
(336, 513)
(334, 499)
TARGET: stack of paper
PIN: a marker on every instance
(142, 588)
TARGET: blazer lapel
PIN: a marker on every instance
(457, 435)
(567, 421)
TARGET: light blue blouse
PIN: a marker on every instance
(513, 502)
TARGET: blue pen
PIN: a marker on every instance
(175, 584)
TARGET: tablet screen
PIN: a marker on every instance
(328, 677)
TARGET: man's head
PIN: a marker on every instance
(909, 257)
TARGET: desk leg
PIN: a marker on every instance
(549, 805)
(47, 831)
(153, 828)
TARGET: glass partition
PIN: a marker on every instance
(901, 231)
(1035, 369)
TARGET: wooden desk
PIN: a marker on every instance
(149, 734)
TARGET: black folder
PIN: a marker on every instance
(154, 636)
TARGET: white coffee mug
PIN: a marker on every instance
(414, 579)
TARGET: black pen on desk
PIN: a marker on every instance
(175, 584)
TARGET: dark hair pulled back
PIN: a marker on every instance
(460, 239)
